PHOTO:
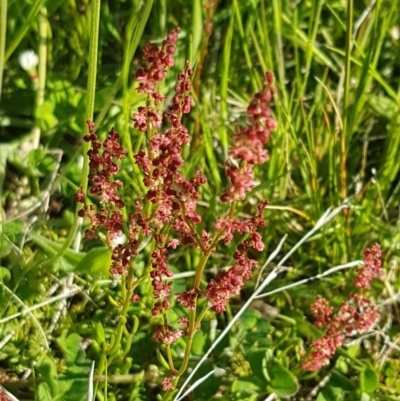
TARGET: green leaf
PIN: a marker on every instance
(341, 381)
(365, 397)
(48, 371)
(247, 386)
(259, 334)
(5, 274)
(330, 394)
(78, 391)
(45, 115)
(97, 261)
(383, 106)
(70, 257)
(44, 392)
(354, 350)
(199, 341)
(71, 347)
(249, 319)
(197, 27)
(210, 387)
(5, 149)
(99, 334)
(369, 380)
(282, 381)
(342, 365)
(257, 362)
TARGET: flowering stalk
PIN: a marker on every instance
(356, 315)
(168, 212)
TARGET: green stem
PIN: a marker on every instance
(170, 360)
(244, 40)
(193, 322)
(17, 38)
(91, 90)
(3, 30)
(42, 70)
(134, 34)
(126, 287)
(343, 138)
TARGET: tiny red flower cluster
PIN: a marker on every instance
(248, 143)
(371, 268)
(106, 220)
(356, 315)
(157, 61)
(230, 282)
(4, 396)
(167, 384)
(104, 165)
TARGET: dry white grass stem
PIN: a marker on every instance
(29, 310)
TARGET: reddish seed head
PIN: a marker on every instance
(269, 76)
(169, 61)
(80, 196)
(171, 49)
(159, 75)
(224, 198)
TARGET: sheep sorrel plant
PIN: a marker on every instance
(167, 217)
(356, 315)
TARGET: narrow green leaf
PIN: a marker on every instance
(197, 26)
(99, 334)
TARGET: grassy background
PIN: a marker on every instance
(337, 70)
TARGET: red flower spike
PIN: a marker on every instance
(173, 197)
(157, 62)
(371, 268)
(356, 315)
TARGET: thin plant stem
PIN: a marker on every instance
(42, 69)
(346, 94)
(91, 90)
(3, 30)
(333, 270)
(32, 14)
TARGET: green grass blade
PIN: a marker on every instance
(16, 40)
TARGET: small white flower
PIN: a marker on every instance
(118, 240)
(28, 59)
(219, 372)
(395, 33)
(79, 161)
